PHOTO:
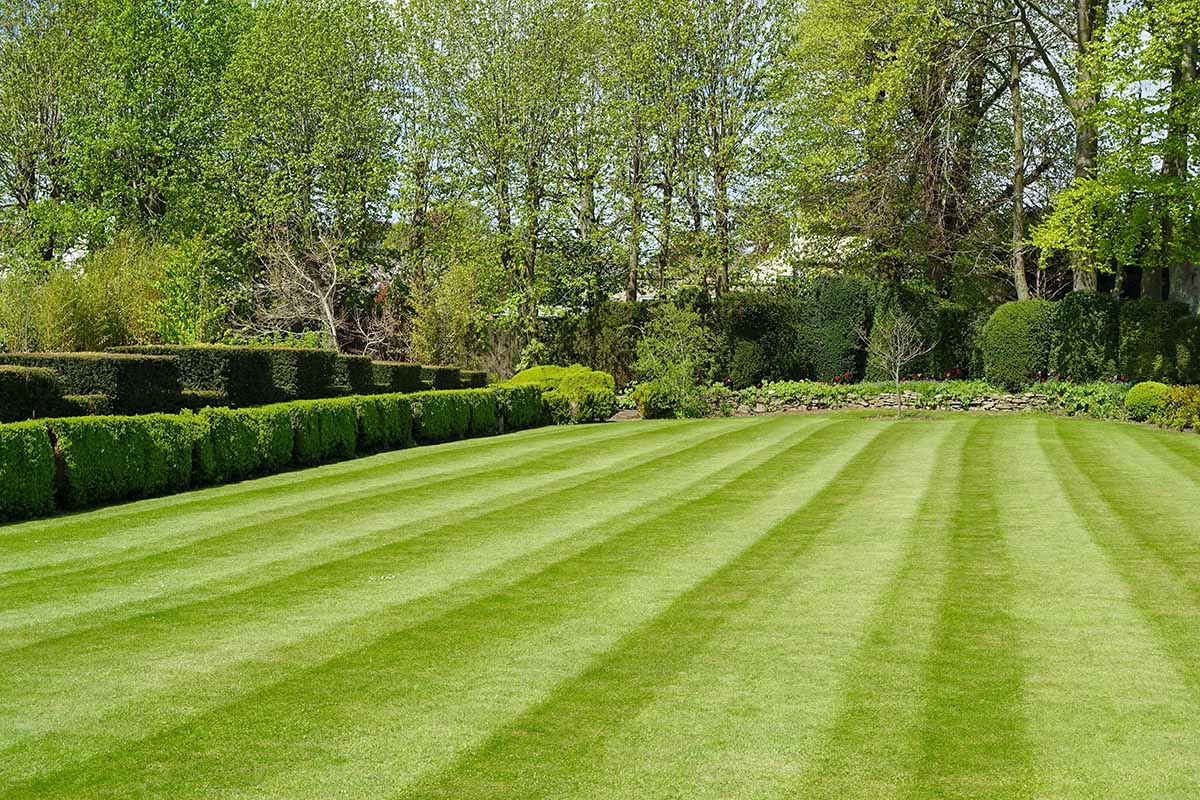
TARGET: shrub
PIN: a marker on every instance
(546, 376)
(1084, 337)
(1016, 343)
(300, 373)
(485, 413)
(1180, 407)
(325, 430)
(242, 374)
(558, 406)
(276, 436)
(28, 393)
(116, 458)
(594, 404)
(384, 422)
(1146, 400)
(26, 470)
(440, 416)
(397, 377)
(519, 406)
(1147, 346)
(229, 447)
(356, 373)
(606, 338)
(654, 401)
(749, 364)
(442, 377)
(133, 383)
(676, 353)
(474, 379)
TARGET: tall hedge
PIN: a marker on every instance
(134, 383)
(26, 470)
(302, 374)
(114, 458)
(242, 374)
(438, 377)
(29, 393)
(394, 376)
(606, 338)
(1016, 343)
(950, 329)
(355, 373)
(1148, 339)
(1084, 335)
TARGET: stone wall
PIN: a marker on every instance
(998, 403)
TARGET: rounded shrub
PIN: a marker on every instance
(1084, 337)
(654, 401)
(1146, 400)
(1016, 343)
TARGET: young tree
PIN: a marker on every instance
(893, 343)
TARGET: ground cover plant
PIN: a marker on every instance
(829, 606)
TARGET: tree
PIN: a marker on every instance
(893, 343)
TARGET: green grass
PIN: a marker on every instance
(811, 607)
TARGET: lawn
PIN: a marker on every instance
(817, 607)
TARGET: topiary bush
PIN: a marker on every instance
(1016, 343)
(572, 394)
(133, 383)
(1084, 338)
(1146, 400)
(26, 470)
(242, 374)
(117, 458)
(1147, 341)
(29, 393)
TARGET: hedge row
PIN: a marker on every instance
(1088, 336)
(29, 392)
(70, 463)
(133, 383)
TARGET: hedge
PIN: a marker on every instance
(134, 383)
(114, 458)
(325, 430)
(519, 406)
(384, 422)
(357, 373)
(950, 329)
(442, 416)
(242, 374)
(393, 376)
(26, 470)
(1016, 343)
(474, 379)
(302, 374)
(28, 393)
(442, 377)
(1083, 341)
(1147, 339)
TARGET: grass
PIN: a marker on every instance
(820, 607)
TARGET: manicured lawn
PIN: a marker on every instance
(811, 607)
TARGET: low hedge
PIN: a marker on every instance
(29, 393)
(1016, 343)
(26, 470)
(384, 422)
(443, 416)
(442, 377)
(520, 406)
(395, 376)
(241, 374)
(325, 430)
(115, 458)
(134, 383)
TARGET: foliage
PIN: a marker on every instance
(300, 373)
(1180, 408)
(325, 430)
(1147, 333)
(1146, 400)
(444, 415)
(1084, 337)
(26, 470)
(441, 377)
(243, 374)
(675, 353)
(384, 422)
(28, 393)
(355, 373)
(519, 405)
(1016, 343)
(572, 394)
(397, 377)
(133, 383)
(113, 458)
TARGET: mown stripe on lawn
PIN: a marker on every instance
(315, 526)
(112, 541)
(974, 738)
(883, 688)
(1107, 710)
(1129, 501)
(487, 658)
(288, 612)
(552, 749)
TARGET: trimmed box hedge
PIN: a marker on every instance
(134, 383)
(519, 407)
(442, 416)
(114, 458)
(300, 374)
(26, 470)
(29, 393)
(357, 373)
(325, 430)
(242, 374)
(384, 422)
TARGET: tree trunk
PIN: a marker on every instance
(635, 220)
(721, 217)
(1090, 17)
(1185, 277)
(668, 213)
(1018, 216)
